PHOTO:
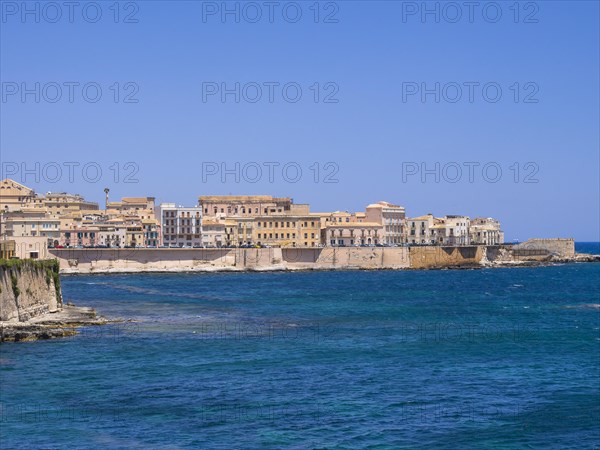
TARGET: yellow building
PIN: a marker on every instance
(31, 222)
(15, 196)
(287, 231)
(7, 249)
(142, 207)
(63, 203)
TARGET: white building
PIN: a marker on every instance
(391, 217)
(486, 230)
(457, 230)
(419, 229)
(181, 226)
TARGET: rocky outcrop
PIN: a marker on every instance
(31, 305)
(59, 324)
(28, 289)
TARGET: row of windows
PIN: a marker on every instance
(283, 236)
(183, 222)
(351, 232)
(183, 214)
(243, 210)
(284, 224)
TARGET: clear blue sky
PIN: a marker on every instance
(369, 133)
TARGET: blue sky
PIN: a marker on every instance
(372, 143)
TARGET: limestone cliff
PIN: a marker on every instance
(28, 289)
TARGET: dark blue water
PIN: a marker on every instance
(493, 358)
(588, 247)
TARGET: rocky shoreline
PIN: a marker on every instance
(61, 323)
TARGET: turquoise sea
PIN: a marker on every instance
(492, 358)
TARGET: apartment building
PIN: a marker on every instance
(419, 230)
(31, 222)
(349, 234)
(213, 233)
(15, 196)
(485, 230)
(392, 219)
(290, 230)
(181, 226)
(457, 230)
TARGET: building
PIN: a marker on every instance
(220, 206)
(151, 229)
(287, 230)
(349, 234)
(485, 231)
(213, 233)
(15, 196)
(63, 203)
(327, 218)
(79, 237)
(30, 247)
(457, 230)
(260, 220)
(419, 230)
(181, 226)
(31, 222)
(392, 219)
(142, 207)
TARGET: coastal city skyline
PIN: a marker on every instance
(68, 220)
(98, 195)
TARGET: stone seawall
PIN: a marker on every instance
(431, 257)
(156, 260)
(328, 258)
(549, 247)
